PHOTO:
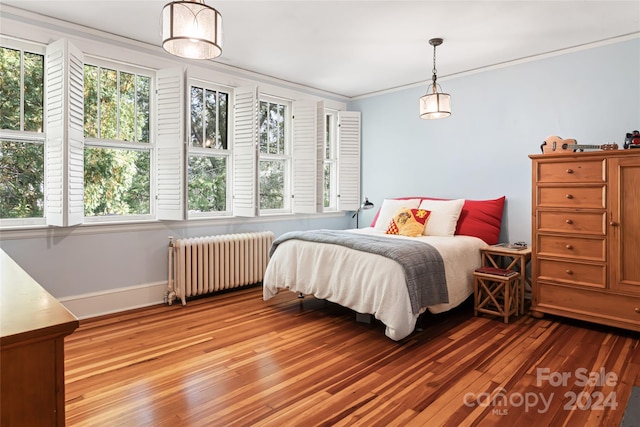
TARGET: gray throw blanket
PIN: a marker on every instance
(422, 263)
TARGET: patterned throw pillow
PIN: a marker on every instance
(408, 222)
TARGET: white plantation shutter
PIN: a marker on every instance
(170, 144)
(348, 160)
(320, 129)
(307, 156)
(64, 146)
(245, 152)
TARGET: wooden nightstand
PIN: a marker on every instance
(510, 259)
(496, 291)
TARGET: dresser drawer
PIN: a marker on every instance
(576, 273)
(572, 197)
(572, 247)
(584, 171)
(572, 222)
(593, 305)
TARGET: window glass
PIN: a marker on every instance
(116, 181)
(10, 78)
(22, 140)
(330, 163)
(118, 150)
(273, 155)
(90, 101)
(21, 179)
(143, 108)
(33, 92)
(208, 187)
(272, 184)
(207, 184)
(197, 118)
(127, 111)
(108, 104)
(211, 116)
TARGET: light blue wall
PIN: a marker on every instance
(498, 118)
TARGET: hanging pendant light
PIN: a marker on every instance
(435, 105)
(191, 29)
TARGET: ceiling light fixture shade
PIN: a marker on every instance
(191, 29)
(435, 105)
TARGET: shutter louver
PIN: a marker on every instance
(349, 160)
(64, 147)
(307, 194)
(170, 145)
(320, 139)
(245, 154)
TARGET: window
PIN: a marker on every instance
(329, 162)
(118, 148)
(274, 158)
(208, 169)
(21, 134)
(104, 151)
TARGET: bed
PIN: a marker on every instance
(371, 283)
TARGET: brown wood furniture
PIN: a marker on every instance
(496, 294)
(586, 236)
(511, 259)
(33, 327)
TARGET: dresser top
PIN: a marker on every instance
(586, 154)
(27, 311)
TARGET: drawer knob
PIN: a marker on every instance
(569, 196)
(569, 221)
(614, 223)
(569, 247)
(569, 170)
(637, 310)
(569, 272)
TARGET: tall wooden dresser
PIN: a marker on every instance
(586, 236)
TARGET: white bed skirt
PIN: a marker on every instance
(369, 283)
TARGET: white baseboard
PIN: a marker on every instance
(115, 300)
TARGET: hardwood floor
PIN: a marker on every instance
(233, 359)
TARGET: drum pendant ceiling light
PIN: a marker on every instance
(191, 29)
(435, 105)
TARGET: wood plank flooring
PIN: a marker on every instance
(235, 360)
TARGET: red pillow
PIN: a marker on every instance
(481, 218)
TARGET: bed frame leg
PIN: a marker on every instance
(420, 323)
(363, 318)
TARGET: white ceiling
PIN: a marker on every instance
(353, 48)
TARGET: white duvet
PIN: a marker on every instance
(369, 283)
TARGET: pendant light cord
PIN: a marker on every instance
(434, 71)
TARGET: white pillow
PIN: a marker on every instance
(389, 209)
(444, 216)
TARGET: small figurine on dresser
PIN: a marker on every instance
(632, 140)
